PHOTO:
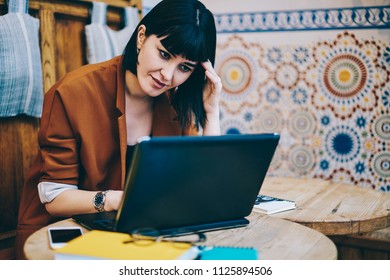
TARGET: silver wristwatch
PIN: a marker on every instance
(99, 201)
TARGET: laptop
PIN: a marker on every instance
(180, 185)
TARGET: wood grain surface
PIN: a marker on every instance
(331, 208)
(275, 239)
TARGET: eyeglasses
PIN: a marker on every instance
(148, 236)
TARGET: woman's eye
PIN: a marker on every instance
(164, 55)
(185, 68)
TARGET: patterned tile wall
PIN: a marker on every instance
(320, 78)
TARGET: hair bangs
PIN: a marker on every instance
(186, 40)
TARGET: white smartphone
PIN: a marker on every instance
(58, 236)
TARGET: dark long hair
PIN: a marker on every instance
(188, 29)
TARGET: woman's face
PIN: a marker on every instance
(158, 70)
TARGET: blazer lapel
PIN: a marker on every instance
(120, 105)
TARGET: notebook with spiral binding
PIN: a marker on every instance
(228, 253)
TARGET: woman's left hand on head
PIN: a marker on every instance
(212, 90)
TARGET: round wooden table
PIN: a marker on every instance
(331, 208)
(275, 239)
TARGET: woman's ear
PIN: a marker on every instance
(141, 36)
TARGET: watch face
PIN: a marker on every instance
(98, 199)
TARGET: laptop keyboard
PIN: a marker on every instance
(106, 224)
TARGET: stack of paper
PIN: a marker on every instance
(270, 205)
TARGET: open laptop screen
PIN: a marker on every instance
(180, 181)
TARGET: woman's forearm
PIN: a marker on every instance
(212, 126)
(73, 202)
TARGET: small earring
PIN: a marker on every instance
(137, 50)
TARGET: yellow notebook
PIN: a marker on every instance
(97, 244)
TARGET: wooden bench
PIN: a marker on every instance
(374, 245)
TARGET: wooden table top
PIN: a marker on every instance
(275, 239)
(331, 208)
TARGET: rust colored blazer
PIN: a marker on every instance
(82, 139)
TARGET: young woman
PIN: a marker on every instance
(164, 84)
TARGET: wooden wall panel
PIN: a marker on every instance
(18, 147)
(48, 47)
(70, 42)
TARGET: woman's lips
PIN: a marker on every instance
(158, 84)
